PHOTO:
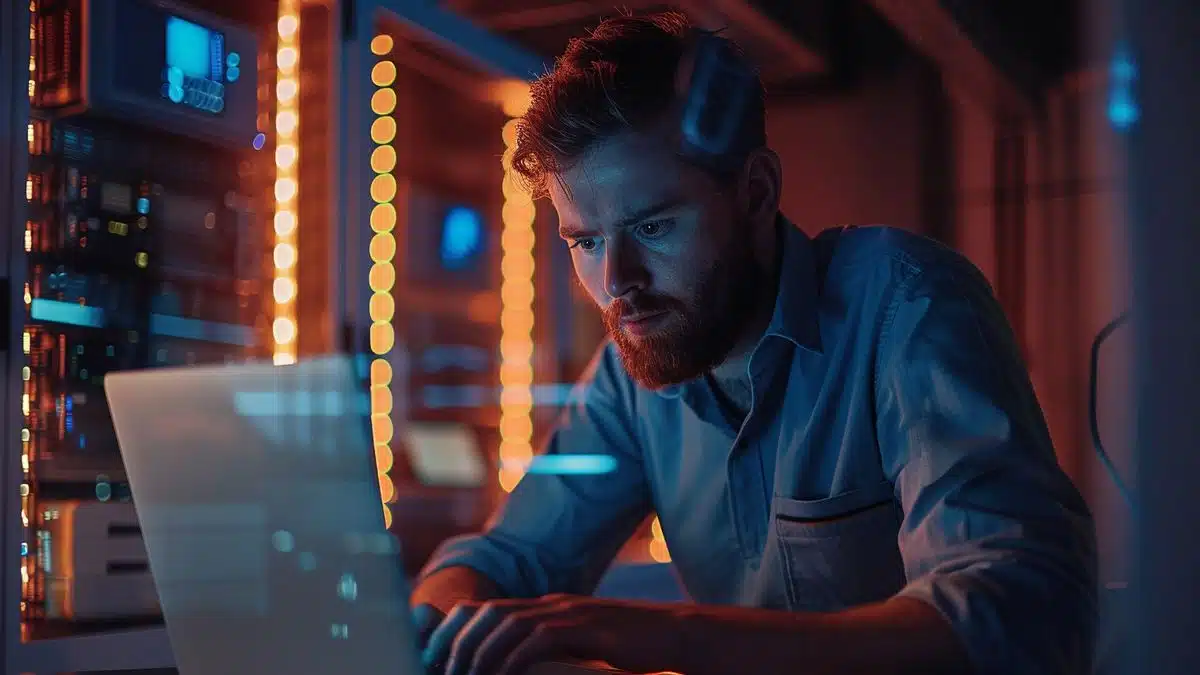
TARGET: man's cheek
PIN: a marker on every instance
(588, 287)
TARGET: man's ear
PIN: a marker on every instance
(760, 186)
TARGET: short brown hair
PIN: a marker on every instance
(620, 76)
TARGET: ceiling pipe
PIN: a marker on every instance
(553, 15)
(755, 26)
(932, 30)
(757, 31)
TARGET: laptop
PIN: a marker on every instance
(256, 491)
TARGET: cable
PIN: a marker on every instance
(1093, 418)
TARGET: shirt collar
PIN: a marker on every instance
(794, 317)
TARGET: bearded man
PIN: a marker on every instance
(848, 461)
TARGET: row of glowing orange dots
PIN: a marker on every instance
(382, 277)
(287, 123)
(516, 309)
(32, 60)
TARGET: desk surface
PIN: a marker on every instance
(561, 669)
(579, 668)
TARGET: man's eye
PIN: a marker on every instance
(585, 244)
(653, 228)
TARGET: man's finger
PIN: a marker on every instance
(512, 631)
(462, 653)
(546, 642)
(437, 650)
(426, 619)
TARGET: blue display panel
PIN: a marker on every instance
(195, 66)
(186, 61)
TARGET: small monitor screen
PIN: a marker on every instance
(195, 66)
(194, 50)
(183, 62)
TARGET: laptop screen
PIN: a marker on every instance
(256, 491)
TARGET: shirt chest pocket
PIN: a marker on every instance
(841, 551)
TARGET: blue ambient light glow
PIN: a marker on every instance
(462, 236)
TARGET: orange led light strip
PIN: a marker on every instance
(287, 132)
(516, 308)
(382, 277)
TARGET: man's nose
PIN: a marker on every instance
(624, 271)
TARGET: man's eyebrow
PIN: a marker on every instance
(571, 231)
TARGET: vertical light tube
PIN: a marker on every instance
(287, 134)
(516, 309)
(382, 277)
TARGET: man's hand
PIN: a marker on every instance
(441, 592)
(506, 637)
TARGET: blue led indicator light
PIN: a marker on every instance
(1123, 110)
(462, 234)
(233, 74)
(260, 139)
(143, 205)
(572, 465)
(233, 59)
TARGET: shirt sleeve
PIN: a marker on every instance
(995, 536)
(557, 533)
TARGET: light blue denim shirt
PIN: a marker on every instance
(894, 446)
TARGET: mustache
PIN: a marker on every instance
(643, 305)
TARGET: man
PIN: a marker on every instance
(846, 454)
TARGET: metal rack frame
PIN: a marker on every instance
(462, 39)
(132, 649)
(14, 109)
(149, 648)
(440, 26)
(1164, 160)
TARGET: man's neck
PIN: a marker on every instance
(731, 376)
(732, 380)
(734, 397)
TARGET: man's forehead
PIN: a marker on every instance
(619, 176)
